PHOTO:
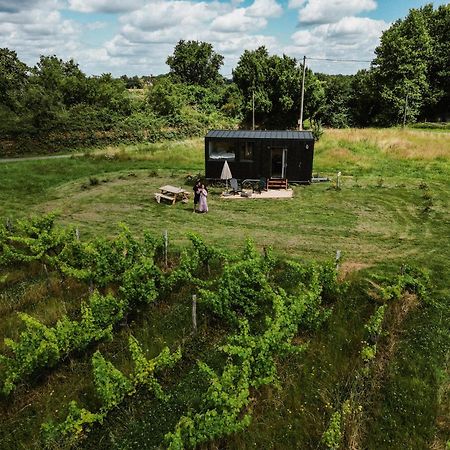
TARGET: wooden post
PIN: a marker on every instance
(166, 245)
(77, 234)
(300, 121)
(338, 258)
(194, 313)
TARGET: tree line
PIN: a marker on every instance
(408, 80)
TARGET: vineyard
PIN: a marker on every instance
(161, 350)
(112, 337)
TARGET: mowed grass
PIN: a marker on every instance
(377, 217)
(392, 209)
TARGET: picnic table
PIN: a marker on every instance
(171, 194)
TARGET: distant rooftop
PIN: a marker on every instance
(257, 134)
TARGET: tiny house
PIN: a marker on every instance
(284, 155)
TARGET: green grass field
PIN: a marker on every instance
(392, 209)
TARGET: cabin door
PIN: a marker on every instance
(279, 162)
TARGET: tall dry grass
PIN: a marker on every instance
(398, 143)
(174, 154)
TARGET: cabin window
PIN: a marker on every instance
(246, 152)
(222, 151)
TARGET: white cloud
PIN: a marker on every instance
(37, 32)
(15, 6)
(237, 21)
(105, 6)
(264, 8)
(352, 38)
(150, 33)
(148, 30)
(95, 25)
(162, 14)
(296, 3)
(329, 11)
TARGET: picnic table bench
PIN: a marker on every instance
(171, 194)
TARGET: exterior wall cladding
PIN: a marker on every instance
(256, 154)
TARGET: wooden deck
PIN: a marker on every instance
(277, 183)
(271, 193)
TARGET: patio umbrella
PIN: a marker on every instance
(226, 173)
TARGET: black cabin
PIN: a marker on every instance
(255, 154)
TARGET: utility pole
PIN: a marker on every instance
(300, 122)
(253, 108)
(406, 109)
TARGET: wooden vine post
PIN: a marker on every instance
(194, 313)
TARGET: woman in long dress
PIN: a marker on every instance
(203, 204)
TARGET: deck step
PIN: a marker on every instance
(277, 183)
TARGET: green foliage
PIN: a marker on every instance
(266, 302)
(206, 253)
(374, 325)
(40, 346)
(242, 291)
(122, 260)
(111, 385)
(368, 352)
(316, 129)
(166, 98)
(33, 239)
(335, 112)
(410, 279)
(223, 404)
(77, 424)
(37, 347)
(195, 62)
(144, 369)
(252, 351)
(332, 436)
(140, 281)
(106, 309)
(102, 261)
(373, 329)
(13, 79)
(406, 66)
(273, 82)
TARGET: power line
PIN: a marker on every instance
(338, 60)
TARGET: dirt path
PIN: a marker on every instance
(37, 158)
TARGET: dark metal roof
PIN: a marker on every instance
(269, 134)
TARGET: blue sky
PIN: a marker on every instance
(134, 37)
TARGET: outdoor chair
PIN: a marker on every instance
(234, 186)
(261, 185)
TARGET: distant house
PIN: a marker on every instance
(284, 155)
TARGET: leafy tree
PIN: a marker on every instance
(195, 62)
(401, 66)
(335, 112)
(364, 102)
(232, 101)
(13, 79)
(62, 78)
(132, 82)
(108, 92)
(436, 103)
(166, 97)
(275, 83)
(251, 76)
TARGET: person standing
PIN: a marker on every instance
(196, 190)
(203, 204)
